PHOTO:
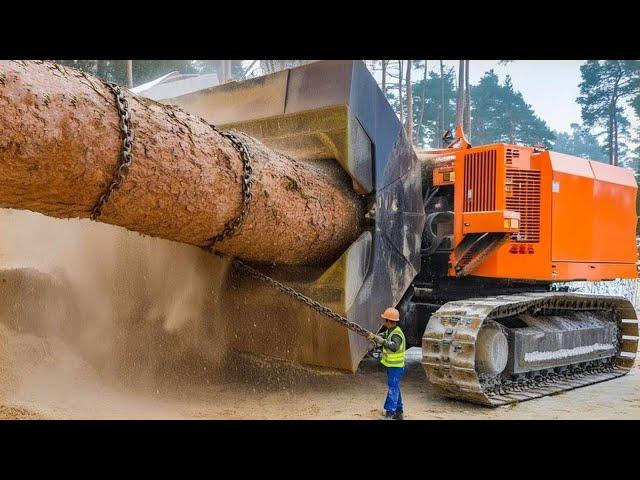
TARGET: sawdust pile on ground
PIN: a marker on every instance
(44, 378)
(84, 304)
(97, 322)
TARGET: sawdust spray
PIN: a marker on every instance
(86, 303)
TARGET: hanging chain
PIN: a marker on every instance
(247, 182)
(126, 155)
(232, 226)
(299, 297)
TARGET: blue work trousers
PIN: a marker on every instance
(394, 397)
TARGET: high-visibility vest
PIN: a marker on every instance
(393, 359)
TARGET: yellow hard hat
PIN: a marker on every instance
(391, 314)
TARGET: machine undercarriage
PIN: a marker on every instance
(510, 348)
(518, 342)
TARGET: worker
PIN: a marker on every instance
(393, 351)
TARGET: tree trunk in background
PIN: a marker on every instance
(610, 133)
(442, 109)
(223, 70)
(422, 107)
(460, 98)
(512, 133)
(384, 77)
(60, 146)
(229, 72)
(408, 126)
(400, 91)
(467, 101)
(614, 119)
(615, 138)
(129, 70)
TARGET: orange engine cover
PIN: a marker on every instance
(577, 217)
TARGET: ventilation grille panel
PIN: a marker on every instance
(480, 181)
(511, 154)
(523, 196)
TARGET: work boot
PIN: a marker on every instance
(388, 415)
(399, 415)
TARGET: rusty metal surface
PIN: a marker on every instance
(448, 346)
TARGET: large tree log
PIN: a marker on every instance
(60, 145)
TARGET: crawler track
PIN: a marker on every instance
(449, 347)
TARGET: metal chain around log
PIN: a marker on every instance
(247, 182)
(232, 226)
(126, 156)
(126, 159)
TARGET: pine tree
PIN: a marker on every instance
(400, 109)
(460, 95)
(580, 143)
(427, 119)
(500, 114)
(467, 102)
(636, 152)
(487, 111)
(606, 87)
(129, 69)
(441, 118)
(408, 126)
(423, 103)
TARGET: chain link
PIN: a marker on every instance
(126, 155)
(247, 182)
(299, 297)
(232, 226)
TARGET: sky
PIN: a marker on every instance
(549, 86)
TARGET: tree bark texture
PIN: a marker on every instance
(60, 145)
(224, 71)
(422, 107)
(401, 111)
(129, 69)
(384, 77)
(408, 126)
(460, 98)
(441, 116)
(467, 101)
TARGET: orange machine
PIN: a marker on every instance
(503, 223)
(577, 218)
(468, 243)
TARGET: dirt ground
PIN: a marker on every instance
(66, 388)
(107, 324)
